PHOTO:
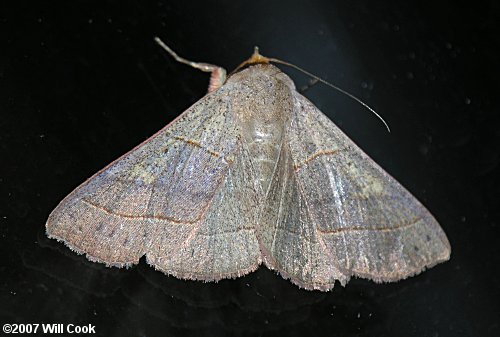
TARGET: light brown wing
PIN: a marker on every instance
(183, 198)
(290, 243)
(349, 216)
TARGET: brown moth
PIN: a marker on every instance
(251, 173)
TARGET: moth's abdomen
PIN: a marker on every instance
(264, 142)
(262, 103)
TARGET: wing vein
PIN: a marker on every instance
(375, 229)
(298, 166)
(145, 217)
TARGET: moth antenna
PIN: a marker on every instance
(218, 74)
(348, 94)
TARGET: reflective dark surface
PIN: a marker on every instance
(82, 82)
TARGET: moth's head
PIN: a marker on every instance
(217, 80)
(256, 58)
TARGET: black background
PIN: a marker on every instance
(82, 82)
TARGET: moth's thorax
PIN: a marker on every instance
(262, 102)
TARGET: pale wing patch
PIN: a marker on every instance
(289, 241)
(371, 225)
(174, 198)
(224, 243)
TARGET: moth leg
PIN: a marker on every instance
(308, 86)
(218, 74)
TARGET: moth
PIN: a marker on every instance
(253, 173)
